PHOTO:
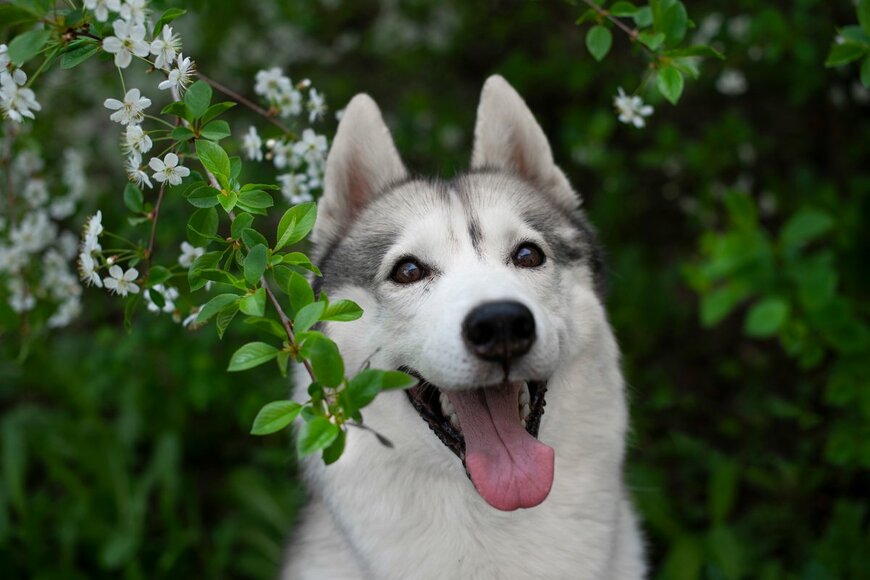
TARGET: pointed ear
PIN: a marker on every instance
(362, 161)
(508, 137)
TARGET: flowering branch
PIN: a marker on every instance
(268, 116)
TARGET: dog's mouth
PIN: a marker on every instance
(493, 430)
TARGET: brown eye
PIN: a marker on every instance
(408, 271)
(528, 255)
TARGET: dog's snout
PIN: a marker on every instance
(499, 331)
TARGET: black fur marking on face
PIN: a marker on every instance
(475, 233)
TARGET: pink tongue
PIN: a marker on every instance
(510, 468)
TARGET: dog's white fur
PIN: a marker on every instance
(411, 512)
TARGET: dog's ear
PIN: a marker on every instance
(362, 161)
(507, 137)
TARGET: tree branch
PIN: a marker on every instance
(631, 32)
(246, 102)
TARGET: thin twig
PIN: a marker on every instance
(246, 102)
(631, 32)
(150, 252)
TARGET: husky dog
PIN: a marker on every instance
(508, 454)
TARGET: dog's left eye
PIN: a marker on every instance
(528, 255)
(408, 271)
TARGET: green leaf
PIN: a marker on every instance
(652, 40)
(207, 261)
(332, 453)
(598, 42)
(324, 357)
(364, 387)
(235, 166)
(78, 52)
(844, 53)
(202, 195)
(133, 198)
(308, 315)
(301, 260)
(298, 290)
(216, 110)
(197, 98)
(804, 227)
(855, 35)
(254, 304)
(15, 15)
(342, 311)
(673, 23)
(316, 434)
(717, 304)
(202, 226)
(865, 73)
(177, 108)
(166, 18)
(864, 15)
(765, 318)
(267, 325)
(216, 130)
(295, 224)
(158, 275)
(256, 198)
(588, 16)
(228, 200)
(275, 416)
(242, 221)
(156, 297)
(251, 355)
(27, 45)
(213, 157)
(669, 82)
(701, 50)
(722, 489)
(215, 305)
(725, 551)
(643, 17)
(182, 134)
(252, 237)
(224, 317)
(623, 9)
(255, 264)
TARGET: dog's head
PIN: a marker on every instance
(483, 286)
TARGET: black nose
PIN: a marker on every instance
(499, 331)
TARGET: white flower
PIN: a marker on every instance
(35, 192)
(134, 171)
(272, 83)
(731, 82)
(294, 187)
(631, 109)
(129, 39)
(190, 318)
(165, 47)
(316, 106)
(68, 244)
(136, 140)
(134, 10)
(34, 232)
(339, 114)
(170, 295)
(20, 297)
(131, 110)
(253, 145)
(62, 207)
(74, 173)
(168, 170)
(91, 234)
(4, 57)
(289, 103)
(189, 254)
(12, 258)
(179, 77)
(311, 147)
(17, 102)
(101, 8)
(283, 154)
(68, 311)
(121, 282)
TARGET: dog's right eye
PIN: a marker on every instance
(408, 271)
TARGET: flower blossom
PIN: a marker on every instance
(134, 171)
(316, 106)
(129, 39)
(101, 8)
(189, 254)
(131, 110)
(121, 282)
(88, 270)
(136, 140)
(16, 101)
(253, 145)
(631, 109)
(168, 169)
(165, 47)
(179, 77)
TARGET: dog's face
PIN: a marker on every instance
(481, 286)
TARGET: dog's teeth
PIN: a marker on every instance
(525, 399)
(446, 405)
(525, 410)
(523, 423)
(454, 420)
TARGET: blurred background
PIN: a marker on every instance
(739, 264)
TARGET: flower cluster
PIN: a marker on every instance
(631, 109)
(35, 252)
(16, 100)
